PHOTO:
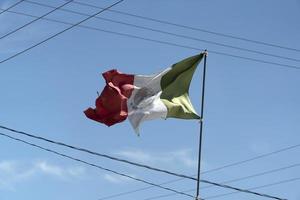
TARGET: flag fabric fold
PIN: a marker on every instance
(140, 98)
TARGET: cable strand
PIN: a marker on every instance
(96, 166)
(224, 167)
(129, 162)
(257, 187)
(60, 32)
(97, 154)
(169, 33)
(159, 42)
(231, 181)
(36, 19)
(10, 7)
(191, 28)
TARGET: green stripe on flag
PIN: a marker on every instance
(175, 88)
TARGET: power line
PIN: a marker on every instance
(12, 6)
(125, 161)
(138, 179)
(259, 174)
(169, 33)
(241, 190)
(191, 28)
(229, 181)
(60, 32)
(36, 19)
(254, 158)
(257, 187)
(231, 193)
(159, 42)
(138, 190)
(96, 166)
(98, 154)
(237, 191)
(217, 169)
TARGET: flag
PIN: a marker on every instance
(146, 97)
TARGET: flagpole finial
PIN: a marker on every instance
(205, 52)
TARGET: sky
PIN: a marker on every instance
(251, 108)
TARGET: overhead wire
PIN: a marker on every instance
(122, 160)
(12, 6)
(138, 190)
(60, 32)
(190, 27)
(139, 164)
(98, 154)
(255, 188)
(168, 33)
(94, 165)
(214, 52)
(229, 181)
(241, 190)
(152, 40)
(214, 169)
(138, 179)
(36, 19)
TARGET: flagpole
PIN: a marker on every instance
(201, 126)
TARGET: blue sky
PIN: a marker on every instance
(251, 108)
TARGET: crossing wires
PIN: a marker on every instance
(230, 181)
(36, 19)
(10, 7)
(148, 40)
(288, 148)
(137, 179)
(168, 33)
(60, 32)
(94, 165)
(191, 27)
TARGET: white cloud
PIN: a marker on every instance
(181, 157)
(7, 166)
(185, 157)
(136, 155)
(13, 172)
(116, 178)
(76, 171)
(260, 147)
(59, 171)
(49, 169)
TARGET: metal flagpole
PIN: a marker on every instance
(201, 126)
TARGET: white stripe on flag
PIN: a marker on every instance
(144, 102)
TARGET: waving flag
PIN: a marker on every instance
(140, 98)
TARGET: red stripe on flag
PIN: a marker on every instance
(111, 105)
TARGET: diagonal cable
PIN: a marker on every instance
(169, 33)
(257, 187)
(129, 162)
(10, 7)
(191, 28)
(213, 170)
(36, 19)
(229, 181)
(60, 32)
(98, 154)
(241, 190)
(161, 42)
(96, 166)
